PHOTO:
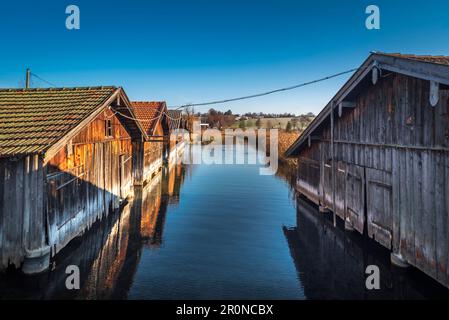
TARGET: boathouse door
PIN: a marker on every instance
(379, 206)
(355, 196)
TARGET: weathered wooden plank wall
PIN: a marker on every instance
(392, 174)
(22, 224)
(137, 162)
(152, 158)
(309, 173)
(87, 179)
(147, 156)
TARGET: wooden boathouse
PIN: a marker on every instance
(149, 152)
(377, 156)
(176, 139)
(65, 162)
(162, 144)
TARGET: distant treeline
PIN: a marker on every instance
(276, 115)
(288, 121)
(214, 112)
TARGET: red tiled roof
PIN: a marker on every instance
(148, 113)
(425, 58)
(32, 120)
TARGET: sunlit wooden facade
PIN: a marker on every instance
(71, 166)
(149, 152)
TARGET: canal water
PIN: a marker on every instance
(220, 232)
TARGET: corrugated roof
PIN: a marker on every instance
(148, 113)
(31, 120)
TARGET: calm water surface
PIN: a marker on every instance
(220, 232)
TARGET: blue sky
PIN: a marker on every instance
(197, 50)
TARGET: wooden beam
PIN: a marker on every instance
(348, 104)
(434, 96)
(375, 73)
(333, 163)
(345, 104)
(312, 138)
(415, 68)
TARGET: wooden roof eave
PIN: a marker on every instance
(161, 113)
(419, 69)
(119, 92)
(127, 102)
(355, 79)
(156, 123)
(409, 67)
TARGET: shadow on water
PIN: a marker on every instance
(331, 262)
(109, 253)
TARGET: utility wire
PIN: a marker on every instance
(138, 119)
(266, 93)
(161, 113)
(224, 100)
(40, 78)
(170, 117)
(240, 98)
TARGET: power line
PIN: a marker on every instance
(40, 78)
(161, 113)
(138, 119)
(226, 100)
(170, 117)
(255, 95)
(267, 92)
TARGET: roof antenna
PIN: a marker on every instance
(27, 79)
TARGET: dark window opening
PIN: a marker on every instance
(108, 128)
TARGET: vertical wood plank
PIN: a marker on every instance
(441, 220)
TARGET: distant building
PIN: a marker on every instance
(162, 145)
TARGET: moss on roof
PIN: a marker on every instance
(31, 120)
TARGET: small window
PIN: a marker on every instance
(108, 128)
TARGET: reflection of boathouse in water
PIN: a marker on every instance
(331, 263)
(155, 202)
(109, 253)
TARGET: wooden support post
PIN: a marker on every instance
(122, 179)
(348, 225)
(434, 93)
(27, 79)
(398, 260)
(333, 162)
(138, 162)
(37, 250)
